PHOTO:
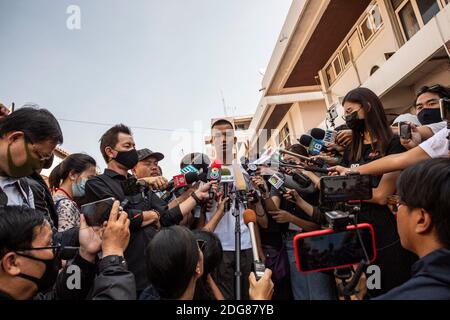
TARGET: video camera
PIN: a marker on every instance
(344, 242)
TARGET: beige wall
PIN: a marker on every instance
(373, 54)
(302, 116)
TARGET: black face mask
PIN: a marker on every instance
(48, 279)
(128, 159)
(429, 116)
(354, 123)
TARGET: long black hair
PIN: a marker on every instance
(172, 258)
(212, 257)
(76, 162)
(375, 123)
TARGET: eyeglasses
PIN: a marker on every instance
(346, 114)
(55, 249)
(201, 244)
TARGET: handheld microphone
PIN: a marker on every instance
(278, 183)
(226, 181)
(214, 174)
(313, 146)
(179, 181)
(327, 136)
(250, 220)
(240, 181)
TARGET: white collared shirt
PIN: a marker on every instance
(16, 193)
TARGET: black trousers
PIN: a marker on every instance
(224, 275)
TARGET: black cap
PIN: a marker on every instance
(145, 153)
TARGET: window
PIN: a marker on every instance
(414, 14)
(330, 74)
(345, 55)
(361, 34)
(428, 9)
(408, 21)
(366, 29)
(285, 141)
(337, 66)
(355, 44)
(377, 20)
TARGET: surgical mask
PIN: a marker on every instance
(429, 116)
(79, 188)
(49, 276)
(24, 170)
(128, 159)
(354, 123)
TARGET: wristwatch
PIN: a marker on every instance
(197, 200)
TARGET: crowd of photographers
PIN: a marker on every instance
(176, 239)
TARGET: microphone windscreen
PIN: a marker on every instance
(249, 216)
(239, 178)
(318, 133)
(203, 177)
(200, 161)
(191, 177)
(226, 172)
(305, 140)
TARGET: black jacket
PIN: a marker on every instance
(430, 279)
(111, 184)
(109, 280)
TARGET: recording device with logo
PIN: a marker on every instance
(313, 146)
(405, 130)
(214, 174)
(278, 183)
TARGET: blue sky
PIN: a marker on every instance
(146, 63)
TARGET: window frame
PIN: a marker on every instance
(419, 18)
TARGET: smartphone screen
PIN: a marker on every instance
(97, 212)
(326, 249)
(405, 130)
(345, 188)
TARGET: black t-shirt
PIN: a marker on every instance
(380, 217)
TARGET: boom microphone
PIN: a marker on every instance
(250, 220)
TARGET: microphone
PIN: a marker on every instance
(327, 136)
(313, 146)
(277, 182)
(214, 174)
(179, 181)
(240, 181)
(250, 220)
(196, 160)
(226, 180)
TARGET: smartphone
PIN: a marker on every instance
(445, 109)
(97, 212)
(404, 129)
(345, 188)
(327, 249)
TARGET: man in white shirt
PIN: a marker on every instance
(224, 142)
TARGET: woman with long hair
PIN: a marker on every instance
(372, 138)
(68, 180)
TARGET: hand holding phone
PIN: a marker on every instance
(97, 212)
(405, 130)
